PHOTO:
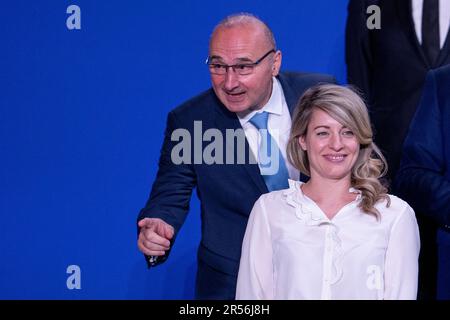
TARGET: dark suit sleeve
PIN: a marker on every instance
(357, 47)
(172, 189)
(420, 180)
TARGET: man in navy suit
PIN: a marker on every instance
(245, 72)
(424, 175)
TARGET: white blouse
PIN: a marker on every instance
(291, 250)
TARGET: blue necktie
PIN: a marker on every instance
(270, 160)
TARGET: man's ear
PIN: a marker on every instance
(276, 63)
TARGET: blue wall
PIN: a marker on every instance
(82, 116)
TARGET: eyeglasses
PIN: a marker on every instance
(240, 68)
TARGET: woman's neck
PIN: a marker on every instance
(326, 189)
(329, 195)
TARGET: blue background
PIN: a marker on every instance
(82, 116)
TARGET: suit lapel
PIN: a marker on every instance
(404, 12)
(228, 120)
(291, 100)
(445, 51)
(289, 93)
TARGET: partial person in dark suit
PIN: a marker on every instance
(389, 64)
(424, 175)
(249, 99)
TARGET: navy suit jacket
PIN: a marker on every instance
(227, 192)
(389, 66)
(424, 176)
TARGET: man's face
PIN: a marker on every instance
(241, 45)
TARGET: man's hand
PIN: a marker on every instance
(154, 236)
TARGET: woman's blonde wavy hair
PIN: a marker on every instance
(345, 106)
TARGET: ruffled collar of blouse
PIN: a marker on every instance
(295, 197)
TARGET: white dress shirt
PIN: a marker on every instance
(444, 19)
(291, 250)
(279, 125)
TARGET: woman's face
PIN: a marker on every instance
(332, 148)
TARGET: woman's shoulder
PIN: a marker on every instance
(273, 196)
(394, 206)
(283, 194)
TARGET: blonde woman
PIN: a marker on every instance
(339, 235)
